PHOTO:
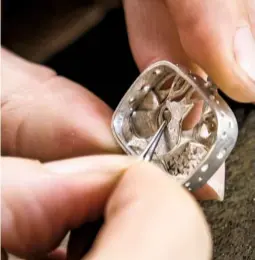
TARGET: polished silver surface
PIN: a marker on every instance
(197, 128)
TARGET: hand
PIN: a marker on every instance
(41, 202)
(47, 117)
(212, 36)
(147, 214)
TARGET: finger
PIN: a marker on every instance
(153, 36)
(81, 239)
(150, 216)
(250, 12)
(48, 117)
(215, 34)
(41, 202)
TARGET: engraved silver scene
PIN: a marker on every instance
(152, 121)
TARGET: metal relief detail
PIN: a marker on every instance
(188, 107)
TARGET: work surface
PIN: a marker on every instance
(233, 220)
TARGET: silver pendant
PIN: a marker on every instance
(152, 119)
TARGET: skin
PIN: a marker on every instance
(211, 37)
(147, 214)
(39, 201)
(41, 194)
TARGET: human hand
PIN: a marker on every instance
(147, 214)
(47, 117)
(214, 37)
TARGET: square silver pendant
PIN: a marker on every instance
(164, 92)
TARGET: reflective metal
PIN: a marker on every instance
(198, 130)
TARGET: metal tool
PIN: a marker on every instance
(150, 149)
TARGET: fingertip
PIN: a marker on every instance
(76, 189)
(154, 39)
(213, 190)
(205, 193)
(224, 53)
(148, 206)
(232, 80)
(218, 61)
(146, 181)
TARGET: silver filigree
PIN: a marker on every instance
(165, 94)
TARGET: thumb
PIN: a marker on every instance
(200, 35)
(150, 216)
(218, 37)
(41, 202)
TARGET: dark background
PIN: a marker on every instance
(100, 60)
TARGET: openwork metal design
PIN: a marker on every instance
(197, 128)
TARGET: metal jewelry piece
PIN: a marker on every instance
(152, 121)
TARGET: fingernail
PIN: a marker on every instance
(244, 47)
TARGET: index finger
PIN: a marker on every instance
(48, 117)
